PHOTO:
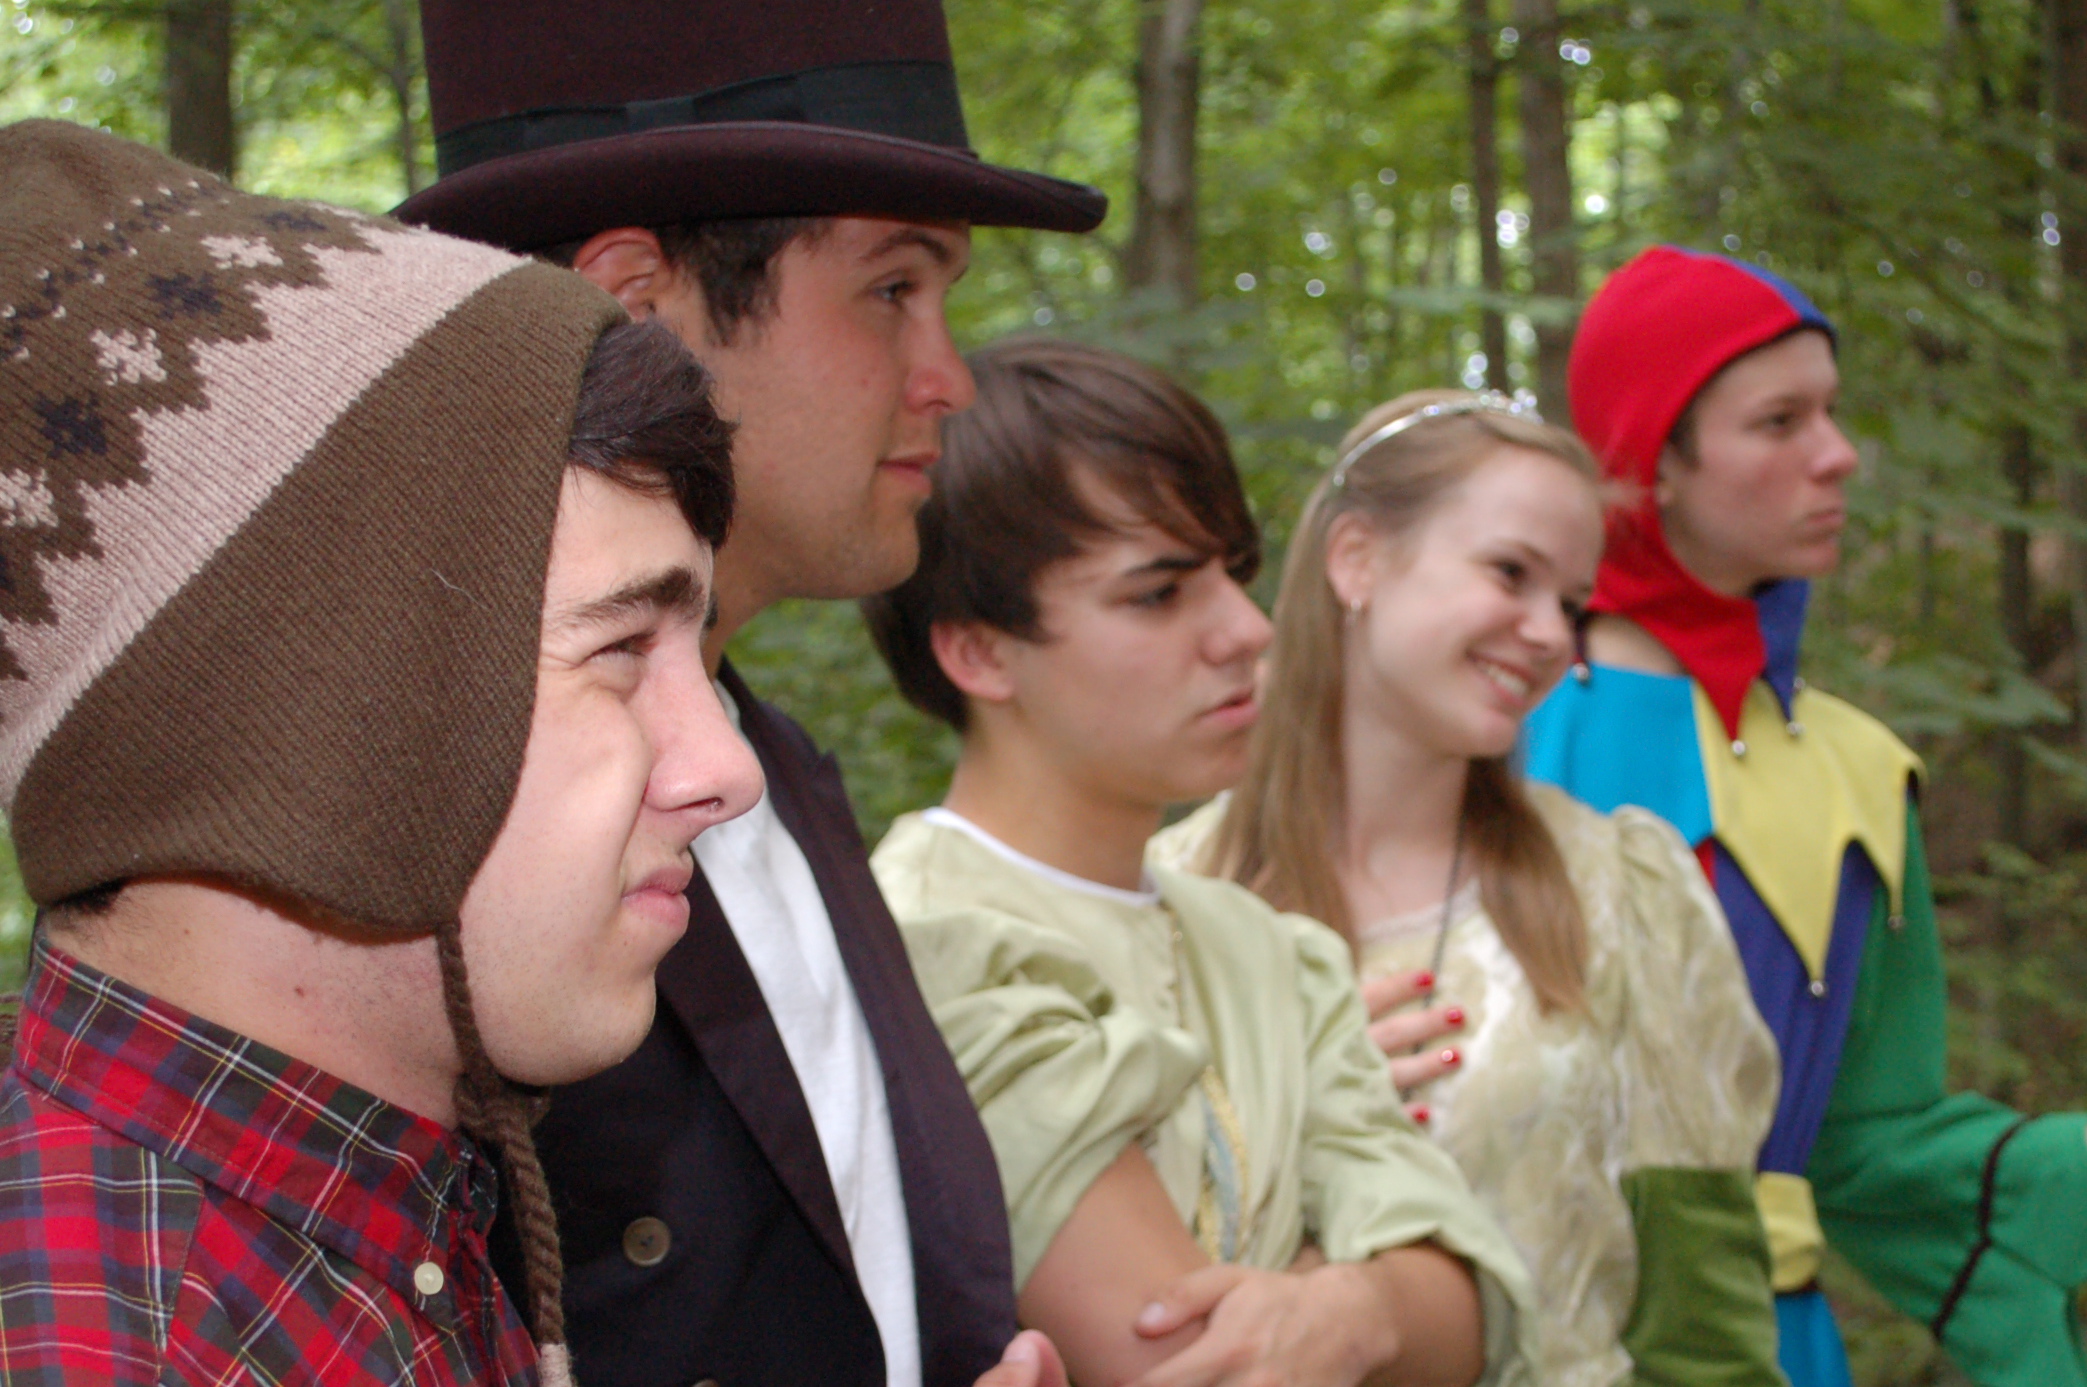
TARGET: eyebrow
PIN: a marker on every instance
(913, 236)
(675, 592)
(1166, 563)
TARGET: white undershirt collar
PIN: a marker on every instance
(1148, 894)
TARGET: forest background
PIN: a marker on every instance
(1319, 206)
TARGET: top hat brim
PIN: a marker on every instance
(697, 173)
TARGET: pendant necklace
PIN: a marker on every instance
(1449, 902)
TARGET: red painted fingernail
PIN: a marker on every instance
(1454, 1016)
(1420, 1114)
(1424, 981)
(1452, 1057)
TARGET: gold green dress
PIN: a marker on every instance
(1577, 1129)
(1226, 1040)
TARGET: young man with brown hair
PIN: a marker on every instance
(787, 1183)
(352, 738)
(1209, 1177)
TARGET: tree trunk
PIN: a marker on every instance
(1394, 320)
(1358, 289)
(2068, 30)
(399, 72)
(199, 84)
(1554, 255)
(2017, 603)
(1485, 182)
(1622, 166)
(1163, 233)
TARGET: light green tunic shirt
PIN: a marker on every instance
(1225, 1039)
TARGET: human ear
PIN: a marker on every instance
(972, 658)
(628, 262)
(1670, 461)
(1353, 551)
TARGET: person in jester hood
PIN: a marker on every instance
(1707, 387)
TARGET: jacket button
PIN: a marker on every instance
(646, 1242)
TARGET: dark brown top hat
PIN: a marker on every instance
(556, 119)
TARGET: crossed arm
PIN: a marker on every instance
(1129, 1298)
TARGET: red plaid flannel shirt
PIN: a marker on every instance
(181, 1204)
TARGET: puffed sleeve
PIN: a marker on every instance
(1372, 1181)
(1700, 1076)
(1063, 1078)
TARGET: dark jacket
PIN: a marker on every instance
(705, 1131)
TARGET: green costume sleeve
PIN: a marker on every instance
(1968, 1216)
(1704, 1316)
(1701, 1095)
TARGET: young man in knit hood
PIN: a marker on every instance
(353, 734)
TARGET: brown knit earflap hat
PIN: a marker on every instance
(277, 487)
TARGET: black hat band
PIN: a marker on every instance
(910, 101)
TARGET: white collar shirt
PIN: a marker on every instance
(771, 900)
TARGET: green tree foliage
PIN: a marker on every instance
(1901, 160)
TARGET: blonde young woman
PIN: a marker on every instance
(1612, 1081)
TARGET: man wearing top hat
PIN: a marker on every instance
(788, 1182)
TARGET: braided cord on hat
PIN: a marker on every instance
(491, 1110)
(1485, 402)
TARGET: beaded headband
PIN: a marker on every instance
(1486, 402)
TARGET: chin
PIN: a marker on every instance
(619, 1045)
(1817, 565)
(584, 1051)
(1220, 775)
(1492, 740)
(885, 565)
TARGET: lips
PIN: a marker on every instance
(1512, 682)
(1240, 708)
(915, 464)
(670, 881)
(658, 898)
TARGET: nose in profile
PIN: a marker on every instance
(1241, 630)
(705, 770)
(1548, 626)
(940, 380)
(1837, 458)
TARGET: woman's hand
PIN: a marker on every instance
(1313, 1329)
(1399, 1034)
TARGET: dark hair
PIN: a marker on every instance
(646, 420)
(1006, 503)
(733, 263)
